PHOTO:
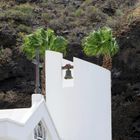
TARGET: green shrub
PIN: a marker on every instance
(57, 24)
(111, 22)
(25, 8)
(79, 12)
(86, 3)
(45, 16)
(119, 12)
(23, 12)
(94, 14)
(24, 28)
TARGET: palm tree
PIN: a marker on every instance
(101, 42)
(35, 45)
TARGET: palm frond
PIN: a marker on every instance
(44, 40)
(100, 42)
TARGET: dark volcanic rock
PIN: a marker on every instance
(12, 99)
(24, 1)
(7, 37)
(126, 86)
(16, 75)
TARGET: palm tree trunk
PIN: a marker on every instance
(37, 85)
(107, 62)
(43, 81)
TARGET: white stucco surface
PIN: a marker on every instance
(80, 108)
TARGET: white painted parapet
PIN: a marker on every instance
(22, 124)
(80, 108)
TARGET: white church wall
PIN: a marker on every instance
(80, 108)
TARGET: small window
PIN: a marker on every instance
(40, 132)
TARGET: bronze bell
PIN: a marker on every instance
(68, 74)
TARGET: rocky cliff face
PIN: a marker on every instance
(74, 19)
(126, 86)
